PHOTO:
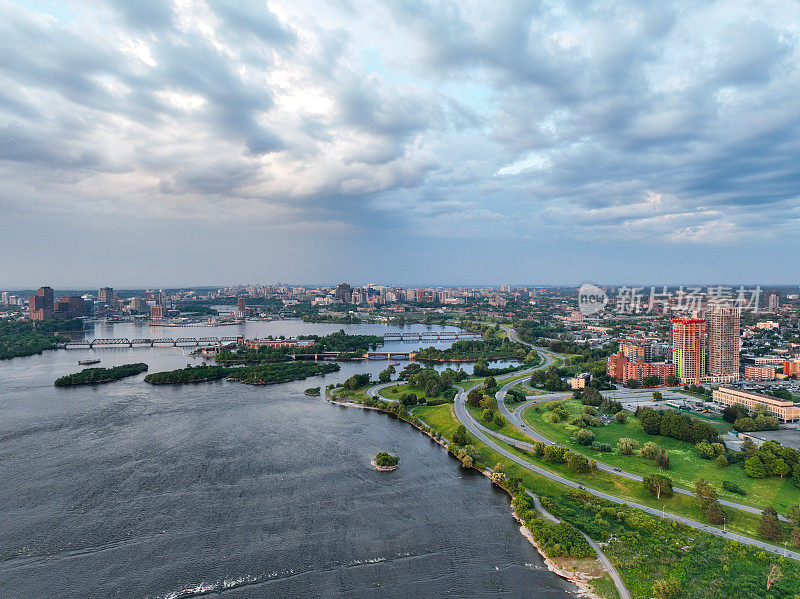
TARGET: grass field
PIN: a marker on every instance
(686, 466)
(400, 389)
(506, 429)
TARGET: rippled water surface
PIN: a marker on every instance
(129, 490)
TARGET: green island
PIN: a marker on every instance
(312, 391)
(385, 461)
(23, 338)
(94, 376)
(474, 350)
(347, 345)
(263, 374)
(655, 557)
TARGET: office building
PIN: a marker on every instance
(724, 329)
(69, 307)
(689, 351)
(105, 295)
(343, 292)
(783, 410)
(156, 312)
(40, 306)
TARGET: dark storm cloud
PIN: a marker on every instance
(676, 121)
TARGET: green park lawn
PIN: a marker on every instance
(443, 419)
(396, 391)
(686, 466)
(507, 429)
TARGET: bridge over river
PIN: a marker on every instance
(431, 336)
(163, 342)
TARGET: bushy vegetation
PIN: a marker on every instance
(264, 374)
(346, 345)
(472, 351)
(386, 460)
(556, 540)
(674, 424)
(23, 338)
(771, 459)
(93, 376)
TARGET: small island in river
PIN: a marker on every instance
(385, 462)
(93, 376)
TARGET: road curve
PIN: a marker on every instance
(465, 418)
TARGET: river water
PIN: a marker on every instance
(130, 490)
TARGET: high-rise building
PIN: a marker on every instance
(343, 292)
(689, 348)
(723, 343)
(40, 306)
(773, 300)
(69, 307)
(5, 298)
(105, 295)
(241, 306)
(156, 311)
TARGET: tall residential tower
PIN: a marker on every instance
(723, 343)
(689, 348)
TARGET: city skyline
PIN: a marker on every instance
(320, 142)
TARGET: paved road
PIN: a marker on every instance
(464, 417)
(612, 571)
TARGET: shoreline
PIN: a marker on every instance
(578, 578)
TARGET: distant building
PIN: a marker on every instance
(791, 367)
(157, 311)
(724, 331)
(689, 349)
(579, 381)
(69, 307)
(767, 324)
(40, 306)
(773, 300)
(257, 343)
(783, 410)
(106, 295)
(343, 292)
(636, 351)
(759, 373)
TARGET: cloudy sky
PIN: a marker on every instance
(175, 142)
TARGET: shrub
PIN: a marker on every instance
(584, 437)
(733, 487)
(621, 417)
(626, 445)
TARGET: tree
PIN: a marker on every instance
(584, 437)
(474, 398)
(490, 382)
(658, 485)
(487, 415)
(672, 380)
(626, 445)
(621, 417)
(754, 468)
(707, 496)
(706, 451)
(715, 513)
(384, 376)
(780, 468)
(632, 383)
(794, 514)
(773, 575)
(748, 448)
(650, 450)
(770, 527)
(657, 395)
(460, 435)
(721, 461)
(650, 381)
(662, 460)
(666, 589)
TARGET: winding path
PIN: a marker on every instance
(464, 417)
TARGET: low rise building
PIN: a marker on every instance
(258, 343)
(620, 368)
(759, 373)
(792, 368)
(579, 381)
(782, 409)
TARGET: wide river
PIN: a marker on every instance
(130, 490)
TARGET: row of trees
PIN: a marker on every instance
(743, 421)
(674, 424)
(771, 459)
(23, 338)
